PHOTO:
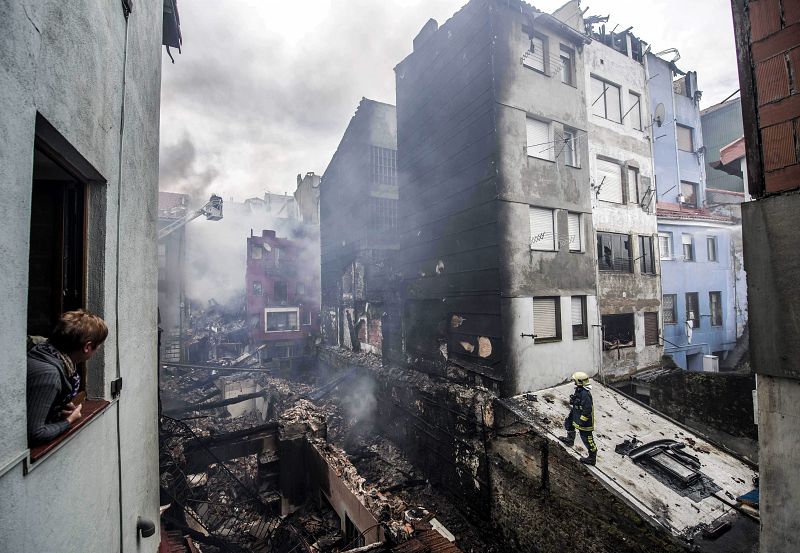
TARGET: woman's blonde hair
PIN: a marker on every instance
(75, 328)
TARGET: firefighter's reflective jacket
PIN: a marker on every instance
(582, 412)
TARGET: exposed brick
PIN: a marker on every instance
(778, 144)
(794, 66)
(780, 42)
(782, 180)
(791, 11)
(779, 112)
(772, 80)
(765, 18)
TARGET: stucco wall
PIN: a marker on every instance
(65, 61)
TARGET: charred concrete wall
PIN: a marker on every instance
(440, 426)
(543, 500)
(447, 151)
(466, 189)
(358, 225)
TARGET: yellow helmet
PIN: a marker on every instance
(580, 378)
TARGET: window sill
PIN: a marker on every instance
(92, 409)
(539, 71)
(580, 337)
(546, 340)
(541, 158)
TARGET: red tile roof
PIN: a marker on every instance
(672, 211)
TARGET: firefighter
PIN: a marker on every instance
(581, 417)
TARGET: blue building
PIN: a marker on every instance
(703, 287)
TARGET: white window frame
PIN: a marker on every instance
(635, 110)
(555, 301)
(578, 307)
(600, 103)
(268, 310)
(712, 240)
(538, 237)
(605, 185)
(571, 157)
(565, 52)
(575, 227)
(684, 237)
(536, 145)
(533, 59)
(669, 253)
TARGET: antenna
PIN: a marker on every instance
(660, 113)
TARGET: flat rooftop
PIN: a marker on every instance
(617, 418)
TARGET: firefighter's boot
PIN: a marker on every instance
(569, 439)
(591, 459)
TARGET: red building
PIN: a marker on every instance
(282, 284)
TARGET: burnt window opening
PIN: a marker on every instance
(352, 537)
(257, 289)
(281, 321)
(689, 193)
(614, 252)
(619, 331)
(300, 289)
(693, 309)
(578, 313)
(651, 329)
(280, 291)
(685, 142)
(383, 214)
(646, 259)
(256, 251)
(384, 166)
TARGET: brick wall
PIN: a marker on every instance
(771, 90)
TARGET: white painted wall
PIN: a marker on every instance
(66, 61)
(542, 365)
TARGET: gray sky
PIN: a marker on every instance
(264, 89)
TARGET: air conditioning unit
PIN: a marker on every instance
(710, 364)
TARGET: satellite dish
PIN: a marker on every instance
(659, 116)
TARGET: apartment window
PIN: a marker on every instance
(543, 235)
(668, 304)
(614, 252)
(665, 245)
(575, 237)
(257, 290)
(256, 251)
(689, 193)
(618, 331)
(651, 329)
(306, 314)
(281, 320)
(685, 142)
(633, 185)
(536, 56)
(540, 142)
(605, 100)
(646, 259)
(578, 313)
(567, 66)
(384, 166)
(688, 247)
(608, 183)
(635, 110)
(281, 292)
(693, 309)
(547, 319)
(383, 213)
(715, 303)
(570, 149)
(300, 288)
(711, 246)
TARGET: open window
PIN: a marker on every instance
(67, 222)
(619, 331)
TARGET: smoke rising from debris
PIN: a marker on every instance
(360, 403)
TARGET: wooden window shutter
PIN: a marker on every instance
(651, 329)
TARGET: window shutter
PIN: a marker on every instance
(612, 103)
(684, 138)
(574, 224)
(598, 105)
(577, 310)
(610, 175)
(542, 229)
(544, 317)
(539, 139)
(651, 329)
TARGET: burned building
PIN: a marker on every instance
(358, 229)
(282, 299)
(172, 304)
(306, 197)
(623, 197)
(496, 215)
